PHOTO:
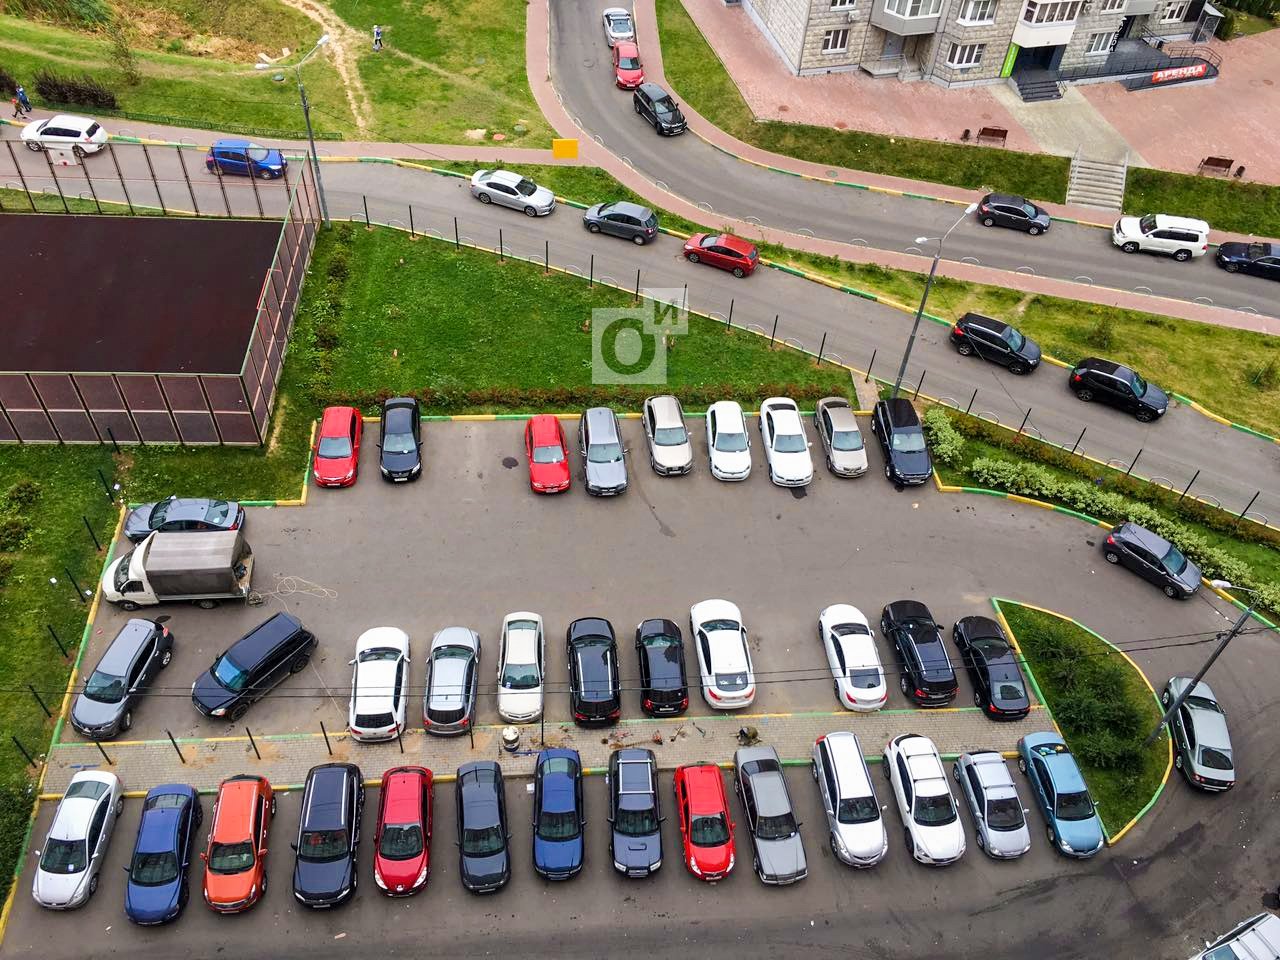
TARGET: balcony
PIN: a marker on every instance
(1140, 8)
(1046, 23)
(907, 18)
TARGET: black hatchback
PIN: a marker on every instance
(1007, 210)
(656, 106)
(324, 872)
(906, 456)
(664, 685)
(999, 689)
(1118, 386)
(996, 341)
(483, 858)
(400, 440)
(595, 693)
(927, 676)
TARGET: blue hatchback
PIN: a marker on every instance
(157, 890)
(558, 814)
(1060, 792)
(245, 158)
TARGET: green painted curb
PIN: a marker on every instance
(573, 203)
(257, 503)
(1257, 433)
(985, 492)
(1035, 684)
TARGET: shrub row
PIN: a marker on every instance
(73, 12)
(81, 91)
(1259, 8)
(946, 443)
(8, 85)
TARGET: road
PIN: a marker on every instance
(691, 168)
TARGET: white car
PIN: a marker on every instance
(724, 656)
(851, 653)
(786, 447)
(80, 135)
(76, 847)
(618, 25)
(1180, 237)
(521, 667)
(858, 835)
(670, 452)
(509, 189)
(920, 785)
(379, 685)
(728, 446)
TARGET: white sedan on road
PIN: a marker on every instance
(521, 667)
(728, 446)
(724, 656)
(786, 447)
(618, 25)
(76, 847)
(379, 685)
(920, 785)
(851, 653)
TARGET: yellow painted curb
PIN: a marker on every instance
(339, 159)
(1209, 413)
(476, 417)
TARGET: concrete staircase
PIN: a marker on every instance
(1037, 86)
(1097, 183)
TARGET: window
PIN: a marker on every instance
(1111, 6)
(966, 55)
(842, 5)
(835, 41)
(1099, 44)
(1063, 11)
(914, 8)
(978, 11)
(1175, 11)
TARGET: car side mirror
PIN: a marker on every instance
(293, 847)
(125, 867)
(203, 855)
(351, 662)
(161, 620)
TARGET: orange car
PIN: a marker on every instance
(235, 864)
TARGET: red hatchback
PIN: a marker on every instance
(337, 449)
(724, 251)
(627, 71)
(705, 828)
(548, 456)
(402, 861)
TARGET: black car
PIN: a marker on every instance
(483, 858)
(906, 456)
(400, 440)
(1153, 558)
(1008, 210)
(927, 676)
(325, 872)
(1117, 385)
(994, 340)
(635, 815)
(594, 689)
(656, 105)
(664, 685)
(178, 515)
(246, 672)
(1260, 259)
(999, 689)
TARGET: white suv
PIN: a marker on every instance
(858, 837)
(1180, 237)
(933, 828)
(379, 685)
(80, 135)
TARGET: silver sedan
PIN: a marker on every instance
(841, 439)
(669, 449)
(512, 190)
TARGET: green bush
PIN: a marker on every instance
(23, 493)
(8, 85)
(81, 91)
(13, 533)
(946, 443)
(1226, 26)
(6, 569)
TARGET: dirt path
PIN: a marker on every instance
(480, 86)
(344, 40)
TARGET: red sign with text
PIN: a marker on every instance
(1180, 73)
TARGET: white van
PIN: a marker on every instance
(80, 135)
(1179, 237)
(1258, 938)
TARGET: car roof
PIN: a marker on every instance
(1152, 541)
(335, 420)
(375, 687)
(1058, 761)
(666, 411)
(233, 143)
(325, 797)
(626, 206)
(71, 120)
(522, 645)
(1006, 198)
(737, 244)
(264, 638)
(1185, 223)
(627, 48)
(403, 794)
(505, 176)
(704, 786)
(1211, 727)
(846, 755)
(545, 429)
(987, 323)
(770, 789)
(900, 412)
(233, 811)
(602, 424)
(841, 414)
(731, 409)
(119, 655)
(1100, 365)
(652, 91)
(991, 770)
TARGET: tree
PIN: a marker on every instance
(120, 35)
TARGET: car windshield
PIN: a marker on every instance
(908, 441)
(334, 448)
(400, 841)
(557, 826)
(708, 831)
(789, 443)
(776, 828)
(846, 440)
(1138, 384)
(399, 443)
(526, 188)
(1004, 814)
(934, 811)
(731, 442)
(857, 810)
(731, 681)
(122, 572)
(520, 676)
(153, 869)
(621, 24)
(1202, 703)
(864, 678)
(1174, 561)
(710, 626)
(483, 842)
(1009, 689)
(229, 674)
(604, 452)
(636, 823)
(629, 63)
(548, 454)
(230, 857)
(218, 510)
(63, 856)
(1013, 338)
(1216, 758)
(159, 512)
(379, 653)
(665, 106)
(1074, 806)
(1147, 223)
(260, 154)
(321, 845)
(1029, 210)
(670, 436)
(105, 688)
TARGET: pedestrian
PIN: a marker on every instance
(22, 99)
(377, 37)
(17, 107)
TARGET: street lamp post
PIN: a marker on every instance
(306, 114)
(928, 285)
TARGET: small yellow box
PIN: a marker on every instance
(564, 149)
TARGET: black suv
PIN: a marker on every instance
(996, 341)
(906, 456)
(594, 689)
(998, 687)
(664, 686)
(400, 440)
(255, 663)
(635, 817)
(1007, 210)
(656, 105)
(325, 871)
(484, 862)
(1095, 379)
(927, 675)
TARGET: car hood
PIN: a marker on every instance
(542, 197)
(863, 840)
(1128, 226)
(1083, 835)
(612, 474)
(399, 875)
(792, 466)
(331, 468)
(850, 459)
(1009, 842)
(1156, 397)
(138, 523)
(940, 843)
(58, 889)
(1190, 576)
(322, 880)
(781, 858)
(399, 462)
(209, 693)
(915, 464)
(519, 703)
(93, 713)
(733, 462)
(557, 856)
(485, 871)
(679, 455)
(1030, 351)
(641, 852)
(1233, 249)
(713, 859)
(151, 904)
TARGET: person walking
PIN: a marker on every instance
(17, 107)
(377, 37)
(22, 99)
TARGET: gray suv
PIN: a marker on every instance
(775, 834)
(600, 442)
(104, 708)
(622, 219)
(1153, 558)
(635, 817)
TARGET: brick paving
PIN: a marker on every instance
(286, 759)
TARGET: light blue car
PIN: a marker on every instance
(1061, 794)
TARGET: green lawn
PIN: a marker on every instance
(1247, 24)
(1092, 672)
(1225, 204)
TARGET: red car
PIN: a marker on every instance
(706, 831)
(548, 456)
(337, 449)
(402, 860)
(627, 71)
(724, 251)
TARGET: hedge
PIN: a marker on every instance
(946, 443)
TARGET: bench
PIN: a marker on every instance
(1218, 166)
(994, 135)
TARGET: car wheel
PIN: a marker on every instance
(206, 604)
(1231, 267)
(216, 170)
(1086, 395)
(237, 712)
(119, 805)
(977, 699)
(1111, 556)
(739, 272)
(638, 240)
(977, 838)
(813, 769)
(1033, 231)
(299, 663)
(1171, 591)
(636, 105)
(1018, 369)
(1053, 841)
(1145, 416)
(128, 605)
(93, 885)
(1177, 760)
(888, 472)
(484, 198)
(166, 658)
(262, 891)
(988, 222)
(273, 805)
(33, 145)
(1182, 256)
(530, 212)
(832, 841)
(265, 175)
(80, 155)
(126, 722)
(906, 687)
(1130, 247)
(965, 349)
(593, 227)
(692, 257)
(884, 768)
(909, 840)
(1022, 765)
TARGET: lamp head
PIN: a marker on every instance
(1221, 584)
(922, 239)
(971, 208)
(324, 38)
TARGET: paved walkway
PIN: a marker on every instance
(286, 759)
(1062, 126)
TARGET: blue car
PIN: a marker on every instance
(246, 159)
(558, 814)
(1060, 792)
(157, 890)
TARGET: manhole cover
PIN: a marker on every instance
(589, 62)
(783, 108)
(510, 462)
(833, 173)
(841, 125)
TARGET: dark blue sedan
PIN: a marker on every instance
(157, 890)
(246, 159)
(1259, 259)
(558, 814)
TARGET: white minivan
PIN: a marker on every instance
(80, 135)
(1179, 237)
(1258, 938)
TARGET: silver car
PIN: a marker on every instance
(992, 799)
(512, 190)
(605, 458)
(669, 449)
(858, 835)
(449, 706)
(771, 819)
(1201, 742)
(76, 846)
(841, 439)
(104, 708)
(622, 219)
